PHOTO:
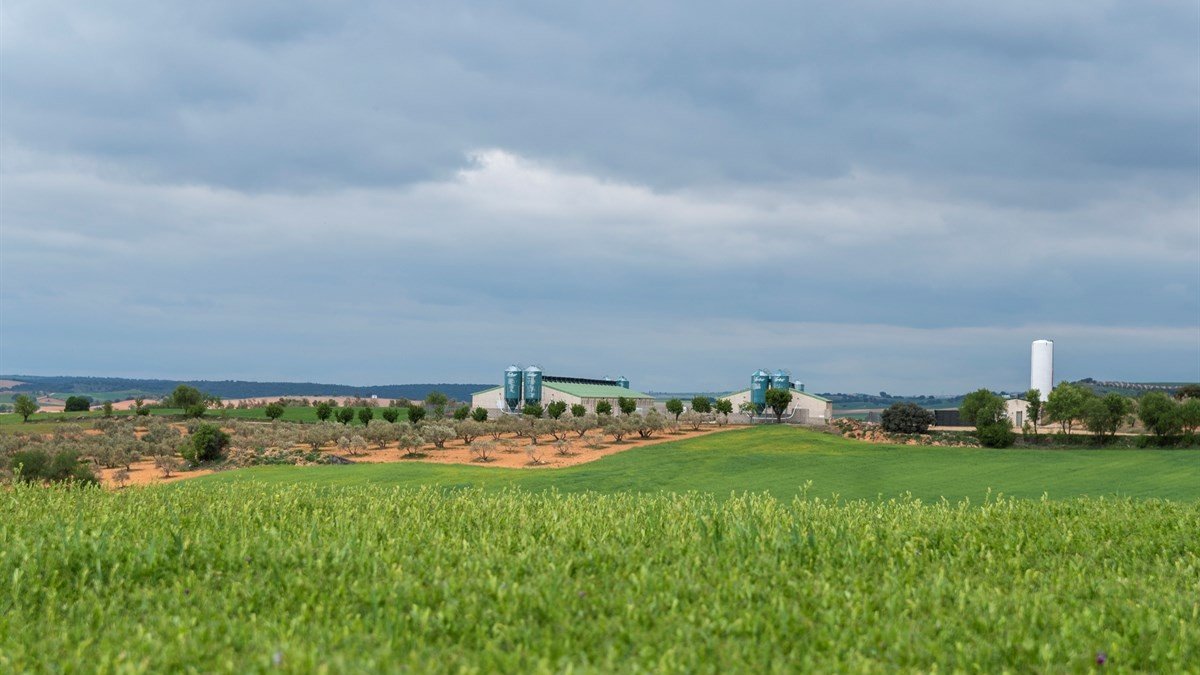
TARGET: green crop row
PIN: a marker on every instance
(251, 577)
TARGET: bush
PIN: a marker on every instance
(578, 410)
(345, 415)
(533, 410)
(195, 410)
(365, 416)
(77, 404)
(324, 411)
(702, 404)
(416, 413)
(37, 465)
(628, 406)
(274, 411)
(556, 409)
(907, 418)
(995, 435)
(461, 413)
(603, 408)
(390, 415)
(479, 414)
(207, 444)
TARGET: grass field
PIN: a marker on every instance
(782, 459)
(306, 578)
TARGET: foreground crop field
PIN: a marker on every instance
(244, 577)
(781, 459)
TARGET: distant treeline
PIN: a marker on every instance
(227, 389)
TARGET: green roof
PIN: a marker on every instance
(594, 390)
(793, 390)
(476, 393)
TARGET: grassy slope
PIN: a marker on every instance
(781, 459)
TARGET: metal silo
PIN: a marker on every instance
(623, 382)
(781, 380)
(512, 387)
(1041, 367)
(533, 385)
(759, 382)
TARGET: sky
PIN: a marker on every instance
(876, 196)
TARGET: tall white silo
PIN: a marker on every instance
(1041, 367)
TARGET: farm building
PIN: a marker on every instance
(805, 408)
(531, 386)
(1015, 408)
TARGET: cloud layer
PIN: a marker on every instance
(876, 199)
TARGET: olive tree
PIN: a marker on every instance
(437, 434)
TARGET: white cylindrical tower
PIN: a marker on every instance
(1041, 367)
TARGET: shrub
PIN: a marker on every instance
(533, 410)
(390, 414)
(196, 410)
(107, 408)
(274, 411)
(365, 415)
(416, 413)
(627, 405)
(603, 407)
(324, 411)
(345, 415)
(77, 404)
(556, 409)
(38, 465)
(907, 418)
(479, 414)
(995, 435)
(702, 404)
(207, 444)
(578, 410)
(1160, 414)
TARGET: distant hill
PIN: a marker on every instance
(103, 387)
(1129, 388)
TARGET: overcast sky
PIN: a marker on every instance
(876, 196)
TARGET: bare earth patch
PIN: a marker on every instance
(509, 452)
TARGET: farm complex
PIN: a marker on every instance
(523, 386)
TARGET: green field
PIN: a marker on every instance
(782, 459)
(249, 577)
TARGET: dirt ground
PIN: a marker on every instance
(509, 452)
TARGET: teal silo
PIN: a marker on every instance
(512, 387)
